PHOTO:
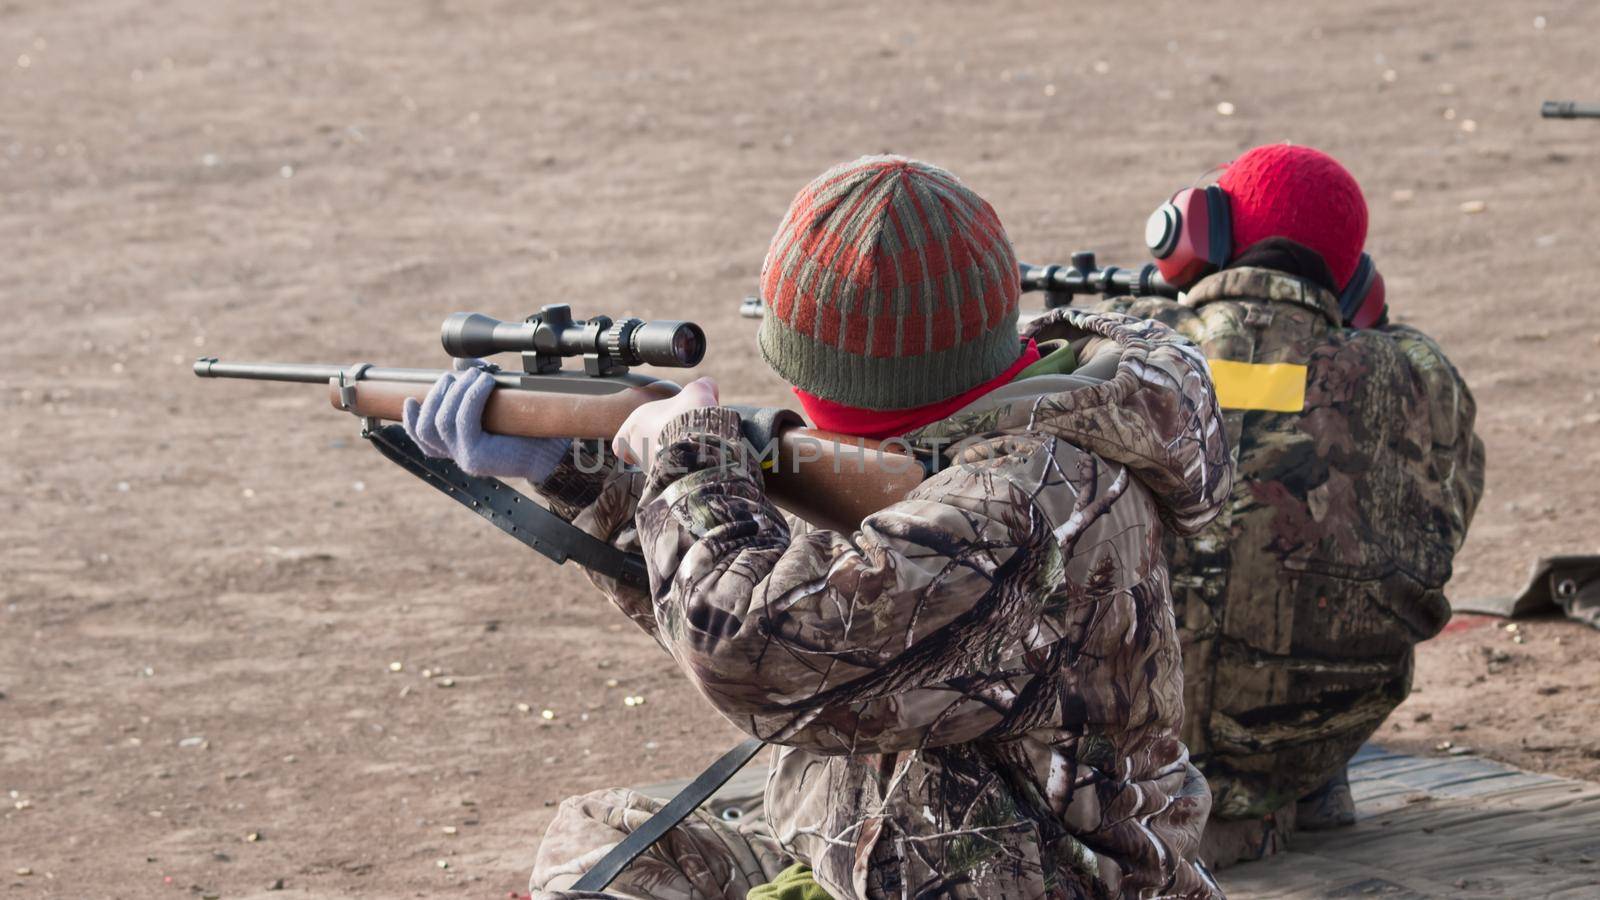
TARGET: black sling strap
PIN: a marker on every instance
(677, 809)
(511, 512)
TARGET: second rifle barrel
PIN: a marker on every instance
(1569, 109)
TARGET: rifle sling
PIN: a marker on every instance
(511, 511)
(676, 810)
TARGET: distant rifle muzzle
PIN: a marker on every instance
(1569, 109)
(553, 334)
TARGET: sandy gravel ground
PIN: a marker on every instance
(203, 585)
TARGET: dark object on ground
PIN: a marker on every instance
(1566, 584)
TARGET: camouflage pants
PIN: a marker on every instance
(702, 858)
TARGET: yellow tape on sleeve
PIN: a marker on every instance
(1279, 387)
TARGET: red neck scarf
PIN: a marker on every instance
(877, 424)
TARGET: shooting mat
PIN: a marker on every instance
(1427, 827)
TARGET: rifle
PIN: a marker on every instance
(830, 480)
(1060, 284)
(1569, 109)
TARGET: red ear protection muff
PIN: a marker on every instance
(1361, 303)
(1191, 235)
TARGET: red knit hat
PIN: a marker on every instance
(1282, 190)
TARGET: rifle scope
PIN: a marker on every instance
(553, 334)
(1085, 276)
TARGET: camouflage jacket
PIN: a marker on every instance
(977, 694)
(1299, 606)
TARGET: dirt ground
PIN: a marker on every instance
(206, 584)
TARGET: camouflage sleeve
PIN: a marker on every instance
(910, 633)
(579, 480)
(1457, 454)
(1165, 310)
(593, 491)
(1182, 447)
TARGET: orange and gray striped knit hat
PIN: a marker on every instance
(889, 285)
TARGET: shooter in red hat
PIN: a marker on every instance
(1358, 473)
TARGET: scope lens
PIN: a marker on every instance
(665, 343)
(685, 347)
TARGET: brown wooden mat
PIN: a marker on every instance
(1449, 827)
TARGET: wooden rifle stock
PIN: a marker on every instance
(524, 413)
(830, 480)
(834, 481)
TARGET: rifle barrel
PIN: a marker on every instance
(1569, 109)
(313, 373)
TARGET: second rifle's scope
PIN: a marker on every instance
(553, 333)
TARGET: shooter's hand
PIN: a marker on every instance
(448, 424)
(641, 431)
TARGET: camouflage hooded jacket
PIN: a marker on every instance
(977, 694)
(1300, 604)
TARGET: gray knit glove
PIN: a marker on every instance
(448, 424)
